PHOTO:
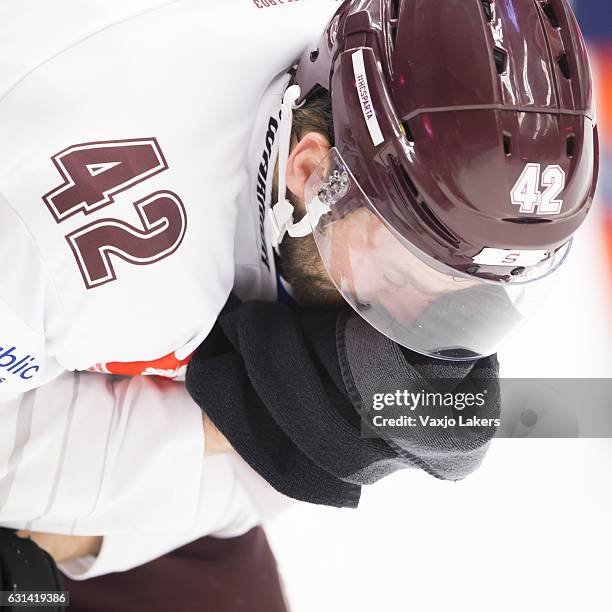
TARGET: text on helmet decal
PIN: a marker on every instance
(526, 192)
(508, 257)
(363, 91)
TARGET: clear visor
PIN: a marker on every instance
(413, 299)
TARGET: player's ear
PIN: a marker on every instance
(304, 158)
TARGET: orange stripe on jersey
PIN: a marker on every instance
(168, 366)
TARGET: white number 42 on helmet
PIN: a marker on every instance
(526, 192)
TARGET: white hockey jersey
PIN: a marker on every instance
(124, 129)
(131, 140)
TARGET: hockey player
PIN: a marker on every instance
(441, 171)
(148, 81)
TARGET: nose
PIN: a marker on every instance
(405, 306)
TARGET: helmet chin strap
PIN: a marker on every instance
(279, 220)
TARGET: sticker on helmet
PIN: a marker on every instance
(526, 192)
(363, 91)
(507, 257)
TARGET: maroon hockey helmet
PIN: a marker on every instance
(465, 158)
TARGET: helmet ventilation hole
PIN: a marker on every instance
(549, 11)
(393, 32)
(438, 226)
(526, 220)
(401, 178)
(500, 57)
(394, 10)
(571, 142)
(488, 11)
(564, 65)
(408, 131)
(393, 20)
(507, 144)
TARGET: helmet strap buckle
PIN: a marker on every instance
(279, 220)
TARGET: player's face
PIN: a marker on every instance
(366, 261)
(362, 257)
